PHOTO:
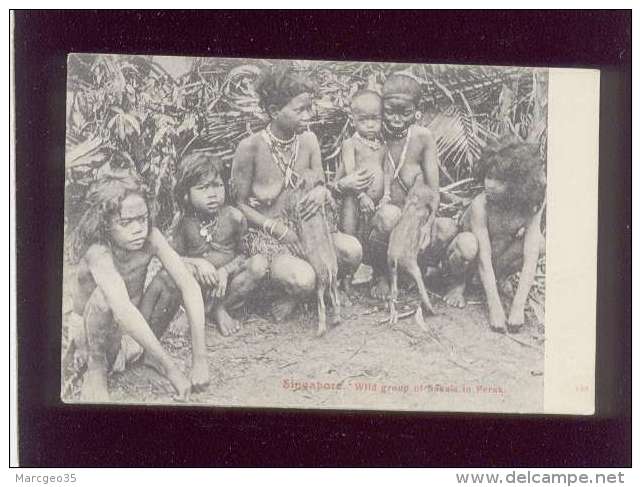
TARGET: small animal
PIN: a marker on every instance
(317, 243)
(407, 239)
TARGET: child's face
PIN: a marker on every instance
(296, 115)
(129, 230)
(208, 195)
(398, 113)
(367, 115)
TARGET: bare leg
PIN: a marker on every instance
(296, 277)
(444, 231)
(158, 307)
(253, 271)
(349, 216)
(160, 303)
(349, 254)
(349, 226)
(461, 254)
(103, 341)
(383, 221)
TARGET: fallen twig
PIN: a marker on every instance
(522, 343)
(401, 316)
(287, 364)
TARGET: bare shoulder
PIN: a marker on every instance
(234, 215)
(249, 144)
(423, 134)
(308, 139)
(156, 240)
(98, 253)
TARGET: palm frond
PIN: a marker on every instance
(460, 139)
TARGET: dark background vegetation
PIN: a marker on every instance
(53, 434)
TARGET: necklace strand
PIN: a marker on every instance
(279, 142)
(286, 167)
(374, 144)
(396, 135)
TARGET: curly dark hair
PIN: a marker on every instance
(192, 169)
(279, 83)
(102, 203)
(519, 164)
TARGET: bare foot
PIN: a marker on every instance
(335, 318)
(380, 290)
(181, 384)
(283, 308)
(514, 328)
(152, 363)
(94, 387)
(199, 375)
(455, 297)
(497, 321)
(226, 323)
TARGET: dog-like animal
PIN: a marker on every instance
(407, 239)
(317, 243)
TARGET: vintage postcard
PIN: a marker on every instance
(329, 235)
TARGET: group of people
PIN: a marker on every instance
(221, 246)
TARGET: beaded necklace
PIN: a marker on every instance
(373, 144)
(397, 167)
(280, 143)
(395, 135)
(286, 166)
(208, 228)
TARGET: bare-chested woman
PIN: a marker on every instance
(266, 167)
(411, 151)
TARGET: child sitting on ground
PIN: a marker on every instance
(364, 153)
(500, 232)
(113, 245)
(208, 235)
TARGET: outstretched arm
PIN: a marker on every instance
(128, 317)
(192, 299)
(478, 224)
(531, 242)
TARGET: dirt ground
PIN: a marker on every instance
(457, 364)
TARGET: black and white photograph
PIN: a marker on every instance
(304, 234)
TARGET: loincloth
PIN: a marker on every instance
(256, 241)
